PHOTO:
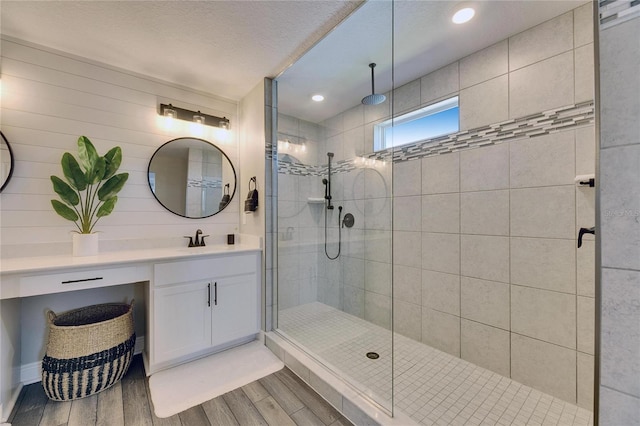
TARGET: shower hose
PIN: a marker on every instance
(339, 233)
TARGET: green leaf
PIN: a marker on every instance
(97, 174)
(106, 208)
(64, 210)
(113, 159)
(88, 154)
(68, 194)
(72, 172)
(112, 186)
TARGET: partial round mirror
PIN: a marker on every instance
(6, 162)
(192, 178)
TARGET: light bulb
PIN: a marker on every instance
(170, 112)
(198, 118)
(463, 15)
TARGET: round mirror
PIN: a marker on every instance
(192, 177)
(6, 162)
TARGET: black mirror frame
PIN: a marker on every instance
(12, 162)
(235, 177)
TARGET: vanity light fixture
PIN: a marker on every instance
(168, 110)
(463, 15)
(284, 145)
(291, 144)
(198, 118)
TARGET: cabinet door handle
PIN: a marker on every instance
(215, 293)
(81, 280)
(209, 294)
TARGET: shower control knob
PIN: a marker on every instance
(348, 220)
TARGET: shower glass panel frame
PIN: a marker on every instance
(333, 289)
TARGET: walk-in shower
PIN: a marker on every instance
(441, 278)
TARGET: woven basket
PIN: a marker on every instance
(89, 350)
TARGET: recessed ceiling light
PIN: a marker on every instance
(318, 98)
(463, 15)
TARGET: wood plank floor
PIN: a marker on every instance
(279, 399)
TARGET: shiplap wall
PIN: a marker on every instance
(50, 98)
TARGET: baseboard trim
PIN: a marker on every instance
(6, 411)
(31, 373)
(139, 347)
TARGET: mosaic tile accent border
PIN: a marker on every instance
(204, 183)
(539, 124)
(614, 12)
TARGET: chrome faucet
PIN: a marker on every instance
(199, 240)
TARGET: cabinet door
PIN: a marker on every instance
(234, 308)
(182, 319)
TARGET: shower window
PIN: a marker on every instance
(434, 120)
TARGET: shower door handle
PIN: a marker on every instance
(585, 231)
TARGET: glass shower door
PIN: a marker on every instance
(334, 204)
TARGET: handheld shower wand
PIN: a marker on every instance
(327, 182)
(327, 193)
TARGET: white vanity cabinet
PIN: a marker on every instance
(182, 320)
(197, 301)
(201, 306)
(233, 308)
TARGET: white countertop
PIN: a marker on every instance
(50, 263)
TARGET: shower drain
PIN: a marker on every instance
(373, 355)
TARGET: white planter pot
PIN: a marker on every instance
(85, 244)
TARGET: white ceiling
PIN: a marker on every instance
(221, 47)
(227, 47)
(424, 39)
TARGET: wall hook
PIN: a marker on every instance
(225, 197)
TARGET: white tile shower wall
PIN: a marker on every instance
(513, 209)
(619, 62)
(499, 259)
(500, 234)
(300, 221)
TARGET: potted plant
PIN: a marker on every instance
(88, 191)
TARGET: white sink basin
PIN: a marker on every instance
(201, 250)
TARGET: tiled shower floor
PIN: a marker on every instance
(431, 386)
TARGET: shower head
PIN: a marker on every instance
(374, 98)
(330, 154)
(324, 181)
